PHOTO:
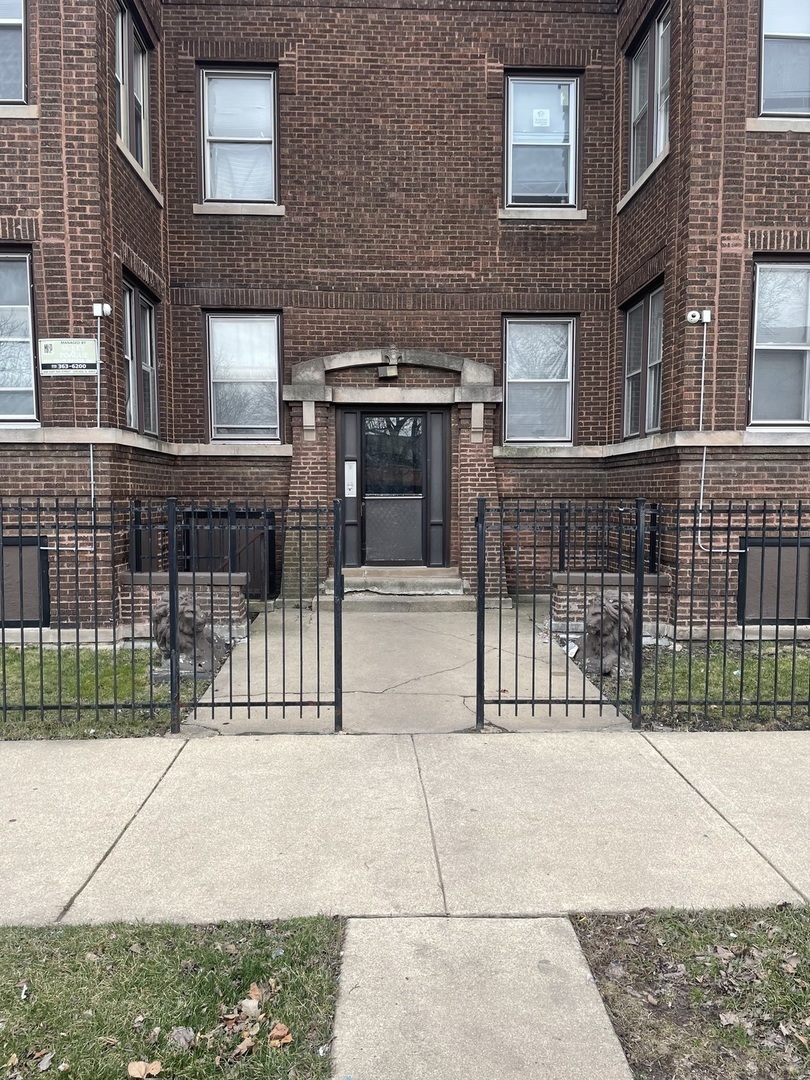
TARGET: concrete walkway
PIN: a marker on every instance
(456, 858)
(403, 672)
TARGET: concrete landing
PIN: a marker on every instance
(449, 999)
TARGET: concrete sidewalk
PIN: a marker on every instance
(456, 858)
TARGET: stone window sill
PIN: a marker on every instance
(238, 209)
(153, 191)
(778, 123)
(542, 213)
(642, 180)
(19, 112)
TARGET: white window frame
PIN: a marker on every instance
(132, 55)
(21, 22)
(275, 321)
(647, 362)
(139, 358)
(763, 37)
(266, 74)
(573, 139)
(778, 347)
(570, 322)
(16, 419)
(654, 101)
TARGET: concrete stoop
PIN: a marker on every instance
(401, 588)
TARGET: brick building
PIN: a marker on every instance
(428, 249)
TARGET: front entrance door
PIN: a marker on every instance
(392, 476)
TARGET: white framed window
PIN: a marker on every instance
(239, 159)
(541, 141)
(649, 96)
(140, 365)
(17, 388)
(131, 87)
(644, 354)
(785, 75)
(243, 360)
(12, 51)
(539, 379)
(780, 384)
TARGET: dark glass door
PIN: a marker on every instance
(393, 488)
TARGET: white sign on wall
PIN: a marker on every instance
(541, 118)
(67, 356)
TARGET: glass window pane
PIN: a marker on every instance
(392, 455)
(16, 365)
(149, 400)
(11, 63)
(786, 76)
(14, 323)
(635, 339)
(540, 172)
(656, 327)
(786, 17)
(541, 111)
(654, 398)
(240, 107)
(243, 348)
(537, 350)
(639, 78)
(782, 306)
(537, 411)
(779, 385)
(632, 405)
(639, 157)
(245, 408)
(147, 335)
(11, 9)
(17, 404)
(14, 282)
(241, 172)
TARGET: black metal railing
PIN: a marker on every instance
(678, 615)
(132, 617)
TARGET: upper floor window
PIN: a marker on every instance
(17, 396)
(140, 362)
(243, 360)
(644, 353)
(132, 87)
(541, 153)
(539, 379)
(649, 97)
(780, 391)
(12, 51)
(786, 57)
(239, 111)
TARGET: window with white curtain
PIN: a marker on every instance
(239, 110)
(12, 51)
(243, 361)
(785, 78)
(539, 379)
(780, 391)
(17, 393)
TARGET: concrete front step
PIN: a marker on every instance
(401, 581)
(377, 602)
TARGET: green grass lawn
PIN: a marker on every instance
(73, 683)
(706, 995)
(241, 1000)
(748, 677)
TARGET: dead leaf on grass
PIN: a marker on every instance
(249, 1007)
(244, 1047)
(724, 953)
(790, 965)
(63, 1067)
(255, 992)
(182, 1038)
(12, 1061)
(729, 1019)
(108, 1040)
(45, 1061)
(144, 1068)
(279, 1036)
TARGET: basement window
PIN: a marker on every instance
(774, 580)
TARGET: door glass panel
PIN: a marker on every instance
(393, 461)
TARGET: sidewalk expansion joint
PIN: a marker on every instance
(119, 837)
(430, 825)
(730, 824)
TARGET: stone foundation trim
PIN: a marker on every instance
(71, 436)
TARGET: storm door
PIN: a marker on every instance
(392, 467)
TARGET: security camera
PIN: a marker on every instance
(693, 317)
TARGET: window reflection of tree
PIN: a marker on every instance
(393, 455)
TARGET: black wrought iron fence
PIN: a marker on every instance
(674, 614)
(129, 617)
